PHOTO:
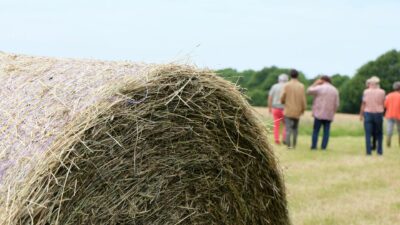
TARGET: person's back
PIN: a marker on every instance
(276, 107)
(392, 105)
(294, 99)
(275, 93)
(326, 101)
(371, 112)
(325, 104)
(374, 100)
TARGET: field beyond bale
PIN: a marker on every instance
(341, 185)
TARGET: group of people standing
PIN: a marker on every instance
(374, 103)
(287, 102)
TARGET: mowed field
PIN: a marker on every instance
(341, 185)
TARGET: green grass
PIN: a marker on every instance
(343, 124)
(338, 129)
(341, 185)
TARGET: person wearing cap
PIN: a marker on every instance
(325, 104)
(371, 112)
(275, 106)
(294, 100)
(392, 105)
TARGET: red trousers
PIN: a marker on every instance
(278, 119)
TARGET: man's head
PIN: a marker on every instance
(396, 86)
(294, 74)
(326, 78)
(373, 82)
(283, 78)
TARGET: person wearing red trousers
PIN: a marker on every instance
(275, 107)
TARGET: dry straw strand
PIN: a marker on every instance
(102, 142)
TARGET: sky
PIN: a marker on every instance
(316, 37)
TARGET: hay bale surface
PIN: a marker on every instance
(98, 142)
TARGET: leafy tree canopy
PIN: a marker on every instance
(386, 67)
(258, 83)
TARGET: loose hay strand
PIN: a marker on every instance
(165, 144)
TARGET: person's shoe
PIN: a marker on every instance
(313, 148)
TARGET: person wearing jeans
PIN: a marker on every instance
(373, 121)
(392, 105)
(373, 129)
(325, 137)
(325, 104)
(294, 100)
(371, 112)
(276, 107)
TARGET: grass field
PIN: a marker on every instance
(341, 185)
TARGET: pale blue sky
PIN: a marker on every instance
(313, 36)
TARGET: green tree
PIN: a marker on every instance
(338, 80)
(257, 97)
(257, 83)
(386, 67)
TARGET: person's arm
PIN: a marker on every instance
(270, 104)
(362, 110)
(271, 94)
(384, 98)
(304, 103)
(283, 96)
(386, 102)
(337, 101)
(313, 89)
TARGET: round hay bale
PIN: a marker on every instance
(97, 142)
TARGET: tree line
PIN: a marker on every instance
(257, 83)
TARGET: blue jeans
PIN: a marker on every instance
(373, 124)
(325, 137)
